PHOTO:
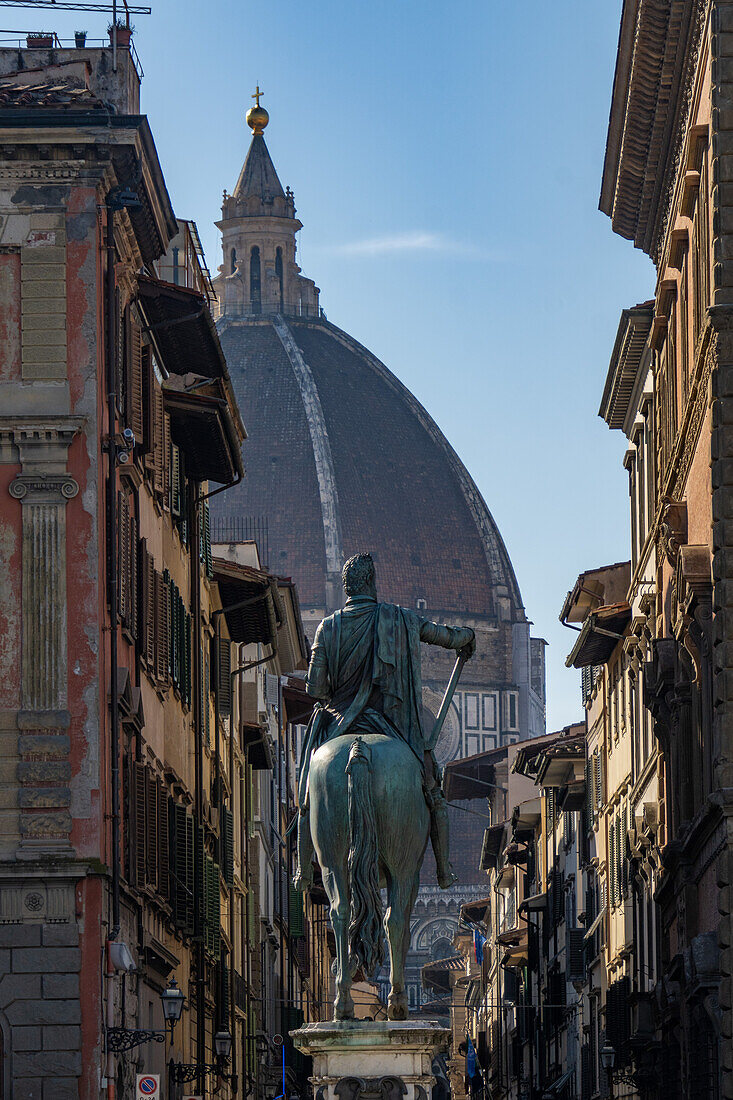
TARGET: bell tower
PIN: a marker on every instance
(259, 275)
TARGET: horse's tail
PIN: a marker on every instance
(365, 918)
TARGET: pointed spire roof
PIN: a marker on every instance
(258, 177)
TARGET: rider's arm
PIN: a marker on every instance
(449, 637)
(317, 683)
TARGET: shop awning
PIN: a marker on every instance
(600, 634)
(470, 777)
(250, 603)
(594, 926)
(256, 741)
(201, 425)
(535, 903)
(475, 911)
(179, 323)
(492, 845)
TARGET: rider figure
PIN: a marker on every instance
(365, 672)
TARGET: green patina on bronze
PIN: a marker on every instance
(369, 790)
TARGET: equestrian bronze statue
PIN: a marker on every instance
(369, 789)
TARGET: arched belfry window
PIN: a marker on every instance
(233, 261)
(279, 273)
(255, 280)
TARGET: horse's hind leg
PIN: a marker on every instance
(401, 897)
(337, 889)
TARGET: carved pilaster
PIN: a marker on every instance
(43, 487)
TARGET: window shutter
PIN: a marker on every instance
(123, 556)
(199, 877)
(297, 917)
(205, 697)
(162, 615)
(164, 877)
(175, 480)
(135, 377)
(225, 1002)
(147, 443)
(224, 677)
(132, 619)
(598, 780)
(187, 657)
(205, 554)
(160, 451)
(139, 803)
(147, 606)
(190, 877)
(575, 963)
(152, 827)
(228, 845)
(588, 806)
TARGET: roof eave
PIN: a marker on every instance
(617, 114)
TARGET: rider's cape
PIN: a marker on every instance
(368, 645)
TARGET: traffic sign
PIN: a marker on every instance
(147, 1085)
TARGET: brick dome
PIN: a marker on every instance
(340, 457)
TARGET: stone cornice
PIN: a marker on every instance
(657, 59)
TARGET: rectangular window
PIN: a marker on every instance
(471, 710)
(488, 711)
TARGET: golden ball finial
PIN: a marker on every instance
(257, 117)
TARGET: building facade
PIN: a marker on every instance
(146, 712)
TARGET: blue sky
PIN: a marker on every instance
(446, 162)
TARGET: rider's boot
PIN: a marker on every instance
(303, 879)
(439, 838)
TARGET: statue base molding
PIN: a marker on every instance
(372, 1060)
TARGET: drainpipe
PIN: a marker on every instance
(112, 591)
(198, 702)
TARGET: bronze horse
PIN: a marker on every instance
(364, 789)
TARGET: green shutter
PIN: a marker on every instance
(186, 620)
(224, 677)
(199, 884)
(205, 554)
(297, 919)
(181, 873)
(175, 468)
(190, 883)
(212, 913)
(227, 838)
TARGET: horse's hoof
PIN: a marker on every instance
(397, 1007)
(303, 881)
(343, 1008)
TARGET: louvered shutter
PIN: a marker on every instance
(228, 845)
(190, 883)
(175, 480)
(162, 616)
(296, 915)
(164, 878)
(132, 619)
(123, 556)
(598, 781)
(586, 1088)
(225, 996)
(147, 443)
(624, 858)
(147, 606)
(205, 698)
(205, 554)
(139, 804)
(612, 862)
(152, 824)
(224, 677)
(199, 883)
(550, 803)
(187, 657)
(575, 965)
(160, 451)
(135, 391)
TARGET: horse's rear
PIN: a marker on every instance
(365, 788)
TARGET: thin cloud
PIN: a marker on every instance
(404, 244)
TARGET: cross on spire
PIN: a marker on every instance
(257, 95)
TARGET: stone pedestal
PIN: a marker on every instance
(372, 1060)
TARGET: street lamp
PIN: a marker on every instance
(223, 1045)
(172, 999)
(608, 1060)
(121, 1039)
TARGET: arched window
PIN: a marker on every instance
(233, 261)
(255, 280)
(279, 273)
